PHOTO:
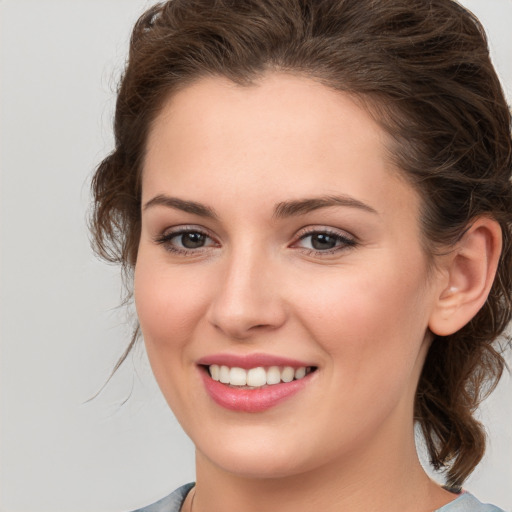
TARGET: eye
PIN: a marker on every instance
(185, 240)
(324, 241)
(191, 240)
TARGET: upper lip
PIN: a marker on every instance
(250, 361)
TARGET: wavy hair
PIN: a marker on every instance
(422, 69)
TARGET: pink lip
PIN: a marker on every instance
(250, 361)
(250, 400)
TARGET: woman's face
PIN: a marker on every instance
(277, 239)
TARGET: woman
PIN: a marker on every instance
(314, 201)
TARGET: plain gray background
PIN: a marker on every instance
(61, 329)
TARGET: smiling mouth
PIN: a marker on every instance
(258, 377)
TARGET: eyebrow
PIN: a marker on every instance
(302, 206)
(181, 204)
(281, 210)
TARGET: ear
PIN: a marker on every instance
(468, 273)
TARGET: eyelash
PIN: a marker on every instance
(344, 242)
(165, 239)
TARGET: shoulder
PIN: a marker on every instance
(464, 503)
(171, 503)
(468, 503)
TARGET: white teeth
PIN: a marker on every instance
(256, 377)
(300, 372)
(238, 377)
(273, 375)
(215, 371)
(224, 374)
(287, 374)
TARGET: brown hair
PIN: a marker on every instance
(422, 68)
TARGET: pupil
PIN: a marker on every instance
(322, 241)
(192, 240)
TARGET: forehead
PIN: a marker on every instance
(294, 135)
(295, 97)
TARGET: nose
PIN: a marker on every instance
(248, 297)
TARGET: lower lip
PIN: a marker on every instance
(251, 400)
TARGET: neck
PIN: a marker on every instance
(387, 479)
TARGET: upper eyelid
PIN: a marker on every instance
(169, 233)
(302, 233)
(347, 240)
(185, 228)
(165, 239)
(311, 230)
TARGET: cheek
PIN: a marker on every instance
(169, 304)
(373, 337)
(375, 319)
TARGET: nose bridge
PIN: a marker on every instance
(247, 297)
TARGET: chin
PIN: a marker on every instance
(256, 465)
(256, 457)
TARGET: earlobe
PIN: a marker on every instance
(469, 271)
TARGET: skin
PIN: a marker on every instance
(359, 313)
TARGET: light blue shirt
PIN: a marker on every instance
(466, 502)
